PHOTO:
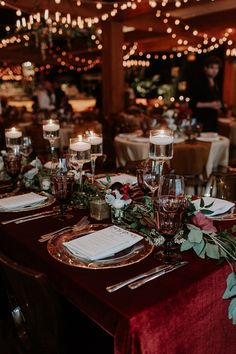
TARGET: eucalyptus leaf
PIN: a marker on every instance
(195, 236)
(212, 251)
(209, 205)
(202, 203)
(232, 310)
(234, 228)
(200, 249)
(186, 245)
(206, 212)
(231, 283)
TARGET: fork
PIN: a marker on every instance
(82, 222)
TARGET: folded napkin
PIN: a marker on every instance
(103, 243)
(20, 201)
(219, 206)
(122, 178)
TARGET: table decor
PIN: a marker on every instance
(13, 137)
(96, 141)
(198, 234)
(79, 153)
(133, 254)
(51, 130)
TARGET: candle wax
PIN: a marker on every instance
(80, 146)
(161, 139)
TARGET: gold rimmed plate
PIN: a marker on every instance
(45, 203)
(123, 258)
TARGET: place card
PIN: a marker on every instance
(103, 243)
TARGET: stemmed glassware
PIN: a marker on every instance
(161, 146)
(13, 137)
(62, 184)
(12, 164)
(51, 130)
(170, 208)
(151, 177)
(79, 153)
(26, 146)
(96, 142)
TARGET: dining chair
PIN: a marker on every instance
(221, 186)
(34, 307)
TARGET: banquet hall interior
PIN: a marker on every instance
(102, 104)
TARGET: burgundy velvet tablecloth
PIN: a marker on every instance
(180, 313)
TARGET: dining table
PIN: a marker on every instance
(189, 157)
(227, 127)
(181, 312)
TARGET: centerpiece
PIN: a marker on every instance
(198, 232)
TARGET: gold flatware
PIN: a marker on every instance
(121, 284)
(78, 226)
(139, 283)
(27, 217)
(37, 217)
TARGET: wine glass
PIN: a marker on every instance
(170, 208)
(161, 146)
(26, 146)
(96, 142)
(51, 130)
(79, 153)
(62, 184)
(151, 177)
(12, 164)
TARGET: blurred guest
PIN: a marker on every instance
(205, 95)
(129, 96)
(48, 96)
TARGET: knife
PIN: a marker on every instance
(121, 284)
(138, 283)
(27, 217)
(37, 217)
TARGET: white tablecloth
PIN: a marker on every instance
(127, 150)
(231, 122)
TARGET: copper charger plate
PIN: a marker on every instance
(129, 256)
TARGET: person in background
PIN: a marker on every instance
(205, 96)
(48, 96)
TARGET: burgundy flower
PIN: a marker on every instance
(203, 222)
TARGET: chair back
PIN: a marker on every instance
(34, 308)
(222, 186)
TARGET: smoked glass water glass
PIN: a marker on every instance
(170, 207)
(12, 164)
(62, 184)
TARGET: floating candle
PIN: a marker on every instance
(161, 139)
(95, 140)
(13, 133)
(80, 146)
(51, 126)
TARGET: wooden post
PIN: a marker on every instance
(112, 68)
(229, 92)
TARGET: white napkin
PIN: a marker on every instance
(20, 201)
(219, 206)
(122, 178)
(103, 243)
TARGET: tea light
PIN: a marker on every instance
(51, 126)
(161, 139)
(13, 133)
(80, 145)
(94, 139)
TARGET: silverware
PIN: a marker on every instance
(82, 222)
(27, 217)
(138, 283)
(37, 217)
(121, 284)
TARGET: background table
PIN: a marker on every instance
(227, 127)
(128, 150)
(180, 313)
